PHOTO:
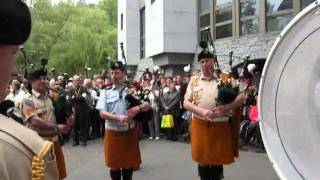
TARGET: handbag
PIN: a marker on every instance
(167, 121)
(254, 114)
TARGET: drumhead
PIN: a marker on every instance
(289, 101)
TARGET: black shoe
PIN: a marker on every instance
(75, 144)
(83, 143)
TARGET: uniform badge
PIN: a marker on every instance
(28, 103)
(29, 110)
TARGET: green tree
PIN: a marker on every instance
(73, 36)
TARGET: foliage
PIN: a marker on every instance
(73, 36)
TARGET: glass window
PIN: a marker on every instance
(249, 8)
(305, 3)
(204, 6)
(279, 14)
(249, 26)
(204, 20)
(278, 5)
(223, 15)
(142, 33)
(249, 17)
(277, 23)
(204, 35)
(224, 31)
(223, 10)
(223, 2)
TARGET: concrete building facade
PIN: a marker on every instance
(158, 32)
(166, 33)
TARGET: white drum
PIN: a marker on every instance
(289, 102)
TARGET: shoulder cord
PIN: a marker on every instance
(38, 162)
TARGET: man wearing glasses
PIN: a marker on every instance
(122, 153)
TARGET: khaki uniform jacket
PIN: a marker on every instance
(18, 146)
(34, 105)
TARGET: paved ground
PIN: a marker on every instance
(162, 160)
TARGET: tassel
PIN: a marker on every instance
(38, 162)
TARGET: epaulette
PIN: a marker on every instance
(195, 79)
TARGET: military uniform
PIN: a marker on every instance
(121, 141)
(213, 141)
(121, 146)
(20, 151)
(42, 107)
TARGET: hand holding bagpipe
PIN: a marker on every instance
(135, 109)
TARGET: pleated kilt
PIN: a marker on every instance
(60, 160)
(121, 149)
(211, 142)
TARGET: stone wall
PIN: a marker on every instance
(256, 46)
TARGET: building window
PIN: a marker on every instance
(121, 21)
(223, 21)
(279, 14)
(204, 6)
(204, 35)
(305, 3)
(249, 17)
(204, 18)
(142, 33)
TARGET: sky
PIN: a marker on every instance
(87, 1)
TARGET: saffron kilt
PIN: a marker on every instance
(211, 142)
(60, 160)
(121, 149)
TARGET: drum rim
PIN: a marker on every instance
(270, 56)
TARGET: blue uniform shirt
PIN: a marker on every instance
(113, 101)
